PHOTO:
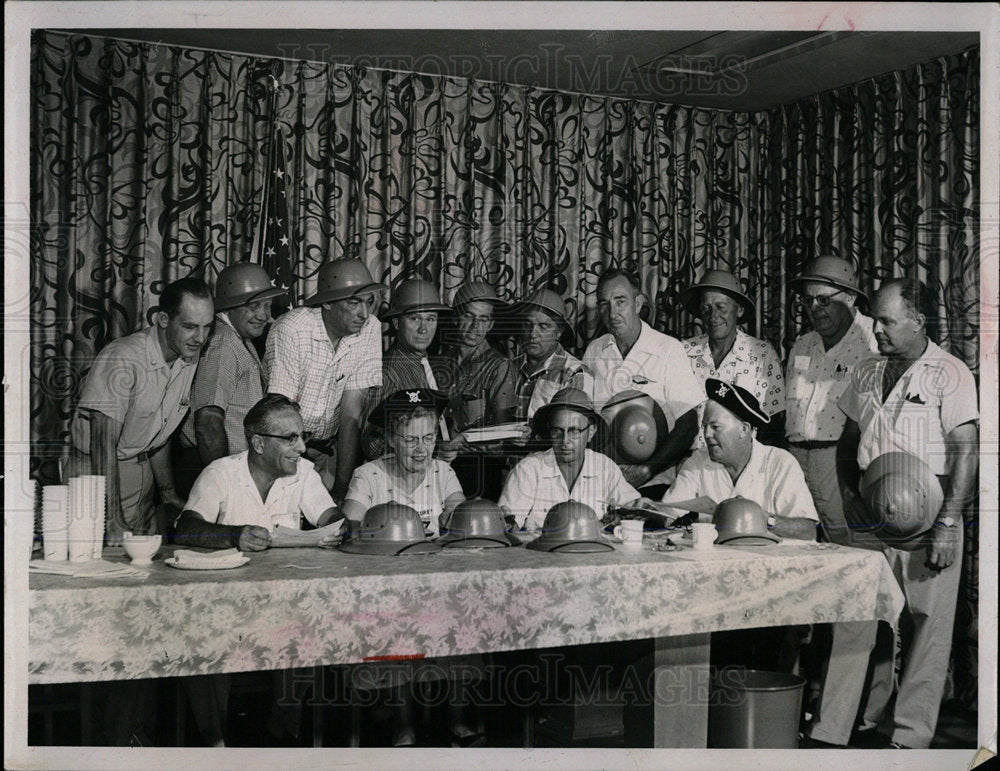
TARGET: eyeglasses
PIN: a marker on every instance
(305, 436)
(822, 300)
(557, 434)
(428, 440)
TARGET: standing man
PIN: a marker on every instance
(134, 397)
(413, 315)
(820, 366)
(325, 357)
(918, 399)
(544, 367)
(635, 356)
(480, 385)
(230, 378)
(725, 352)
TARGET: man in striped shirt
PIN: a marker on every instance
(325, 357)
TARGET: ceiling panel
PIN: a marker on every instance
(743, 70)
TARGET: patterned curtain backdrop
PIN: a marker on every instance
(148, 162)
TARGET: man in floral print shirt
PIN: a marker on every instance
(726, 352)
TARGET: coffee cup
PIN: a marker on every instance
(141, 548)
(629, 532)
(704, 535)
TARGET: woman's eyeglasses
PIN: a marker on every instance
(428, 440)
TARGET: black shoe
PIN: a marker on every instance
(806, 742)
(898, 746)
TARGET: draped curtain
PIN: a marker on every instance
(148, 163)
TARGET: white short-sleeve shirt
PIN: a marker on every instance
(656, 365)
(933, 397)
(536, 485)
(372, 484)
(302, 364)
(816, 379)
(226, 494)
(772, 478)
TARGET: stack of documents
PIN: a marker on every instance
(89, 569)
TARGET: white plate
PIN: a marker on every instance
(172, 561)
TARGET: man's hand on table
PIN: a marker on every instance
(253, 538)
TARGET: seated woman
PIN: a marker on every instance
(410, 475)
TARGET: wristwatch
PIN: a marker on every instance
(947, 522)
(771, 521)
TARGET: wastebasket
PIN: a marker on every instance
(752, 708)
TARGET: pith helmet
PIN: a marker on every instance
(829, 270)
(572, 527)
(547, 300)
(902, 495)
(340, 279)
(243, 283)
(415, 295)
(477, 523)
(390, 529)
(742, 520)
(637, 423)
(720, 281)
(568, 398)
(476, 291)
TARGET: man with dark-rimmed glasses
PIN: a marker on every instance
(236, 502)
(819, 370)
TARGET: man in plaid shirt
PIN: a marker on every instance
(326, 356)
(544, 367)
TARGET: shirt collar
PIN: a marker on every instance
(550, 469)
(154, 354)
(319, 328)
(556, 360)
(641, 342)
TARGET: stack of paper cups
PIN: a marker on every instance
(94, 486)
(55, 522)
(81, 522)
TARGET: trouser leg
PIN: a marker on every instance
(820, 469)
(843, 683)
(883, 660)
(129, 712)
(135, 481)
(931, 596)
(209, 699)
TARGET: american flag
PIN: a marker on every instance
(272, 243)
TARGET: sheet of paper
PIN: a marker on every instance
(702, 504)
(288, 537)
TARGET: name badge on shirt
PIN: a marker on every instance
(640, 380)
(801, 364)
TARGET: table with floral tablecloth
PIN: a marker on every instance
(305, 607)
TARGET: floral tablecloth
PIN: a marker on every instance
(304, 607)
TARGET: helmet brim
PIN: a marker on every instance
(569, 547)
(389, 548)
(748, 540)
(419, 308)
(458, 541)
(334, 295)
(249, 297)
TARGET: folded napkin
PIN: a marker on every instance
(219, 559)
(91, 569)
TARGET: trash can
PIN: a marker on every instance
(751, 708)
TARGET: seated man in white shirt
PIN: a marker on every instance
(734, 463)
(236, 502)
(566, 471)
